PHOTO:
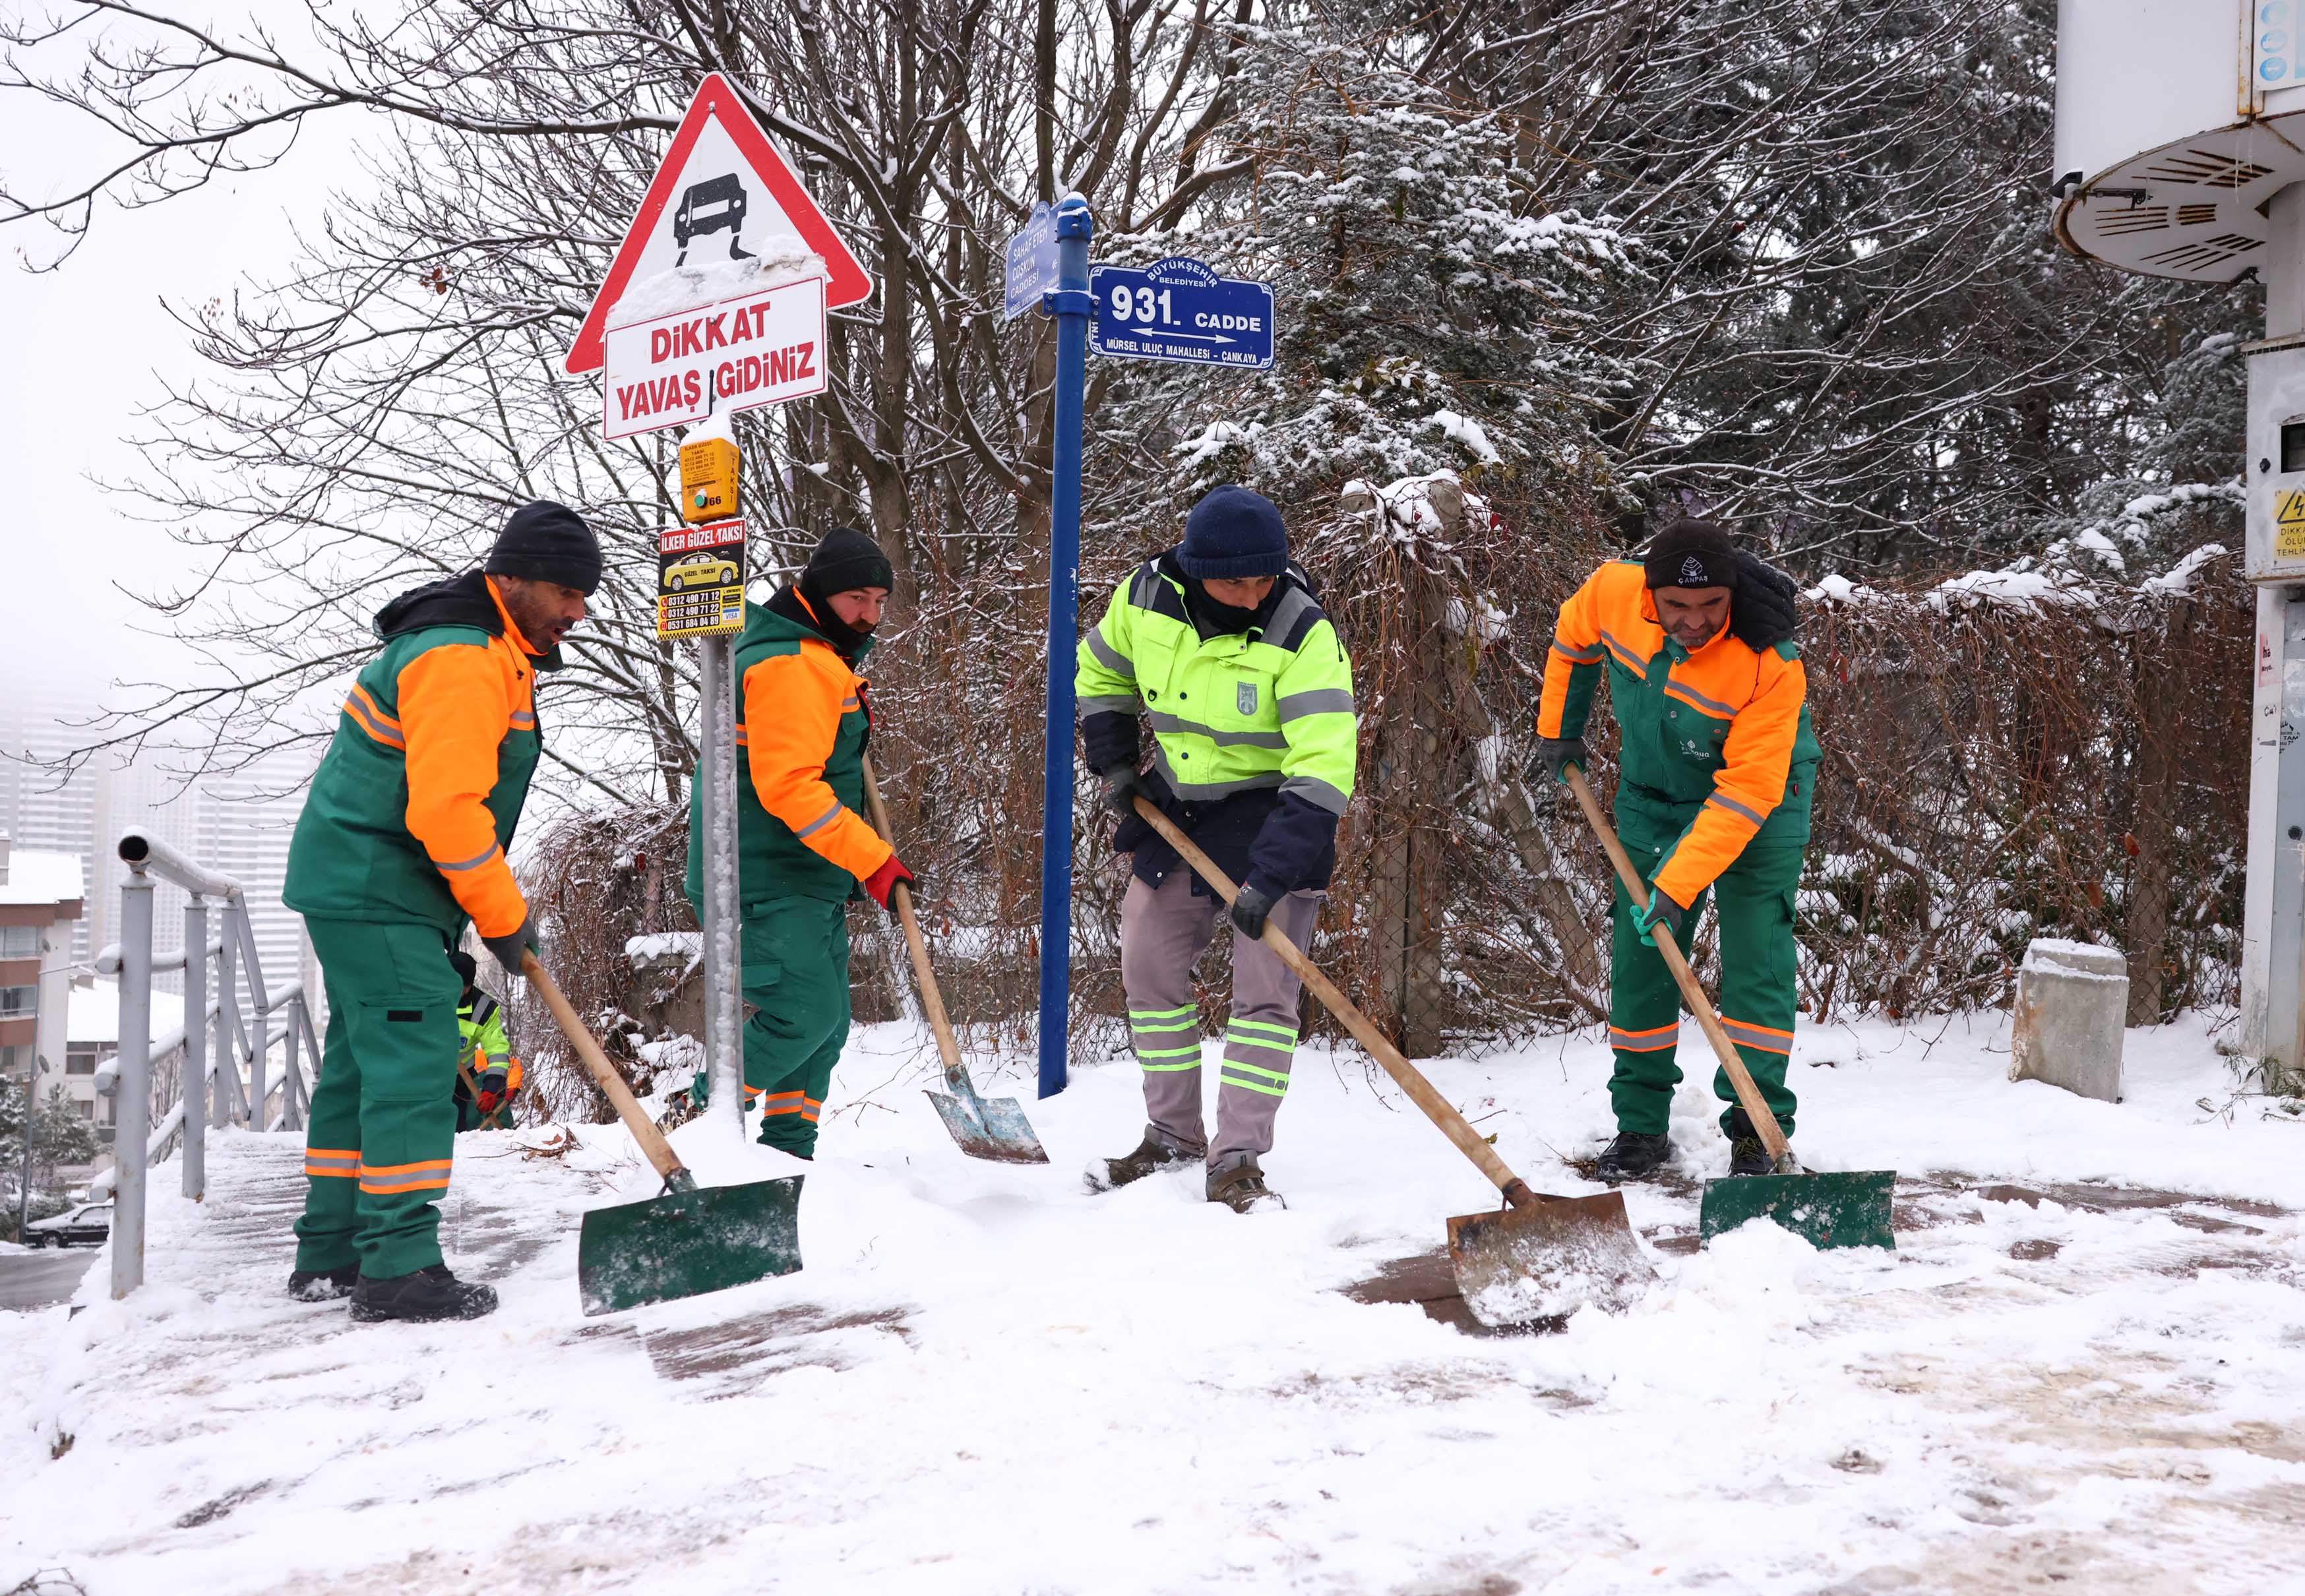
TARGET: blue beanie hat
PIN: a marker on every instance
(1233, 532)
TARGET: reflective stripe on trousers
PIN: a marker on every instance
(1164, 932)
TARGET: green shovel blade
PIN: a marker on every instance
(685, 1244)
(1826, 1211)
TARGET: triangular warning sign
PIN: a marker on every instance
(721, 189)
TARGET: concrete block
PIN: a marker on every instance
(2073, 1002)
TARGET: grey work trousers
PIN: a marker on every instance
(1163, 932)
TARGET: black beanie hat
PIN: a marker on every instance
(844, 561)
(548, 542)
(1233, 532)
(1691, 554)
(467, 970)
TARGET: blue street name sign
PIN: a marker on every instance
(1032, 264)
(1179, 310)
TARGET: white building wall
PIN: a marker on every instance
(239, 823)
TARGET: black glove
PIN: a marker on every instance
(492, 1091)
(1249, 910)
(1762, 615)
(1123, 783)
(508, 948)
(1558, 753)
(1664, 911)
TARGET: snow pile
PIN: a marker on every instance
(783, 259)
(985, 1380)
(1213, 440)
(1421, 508)
(27, 875)
(661, 947)
(719, 427)
(1464, 430)
(93, 1014)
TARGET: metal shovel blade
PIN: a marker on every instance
(1826, 1211)
(685, 1244)
(1565, 1253)
(993, 1128)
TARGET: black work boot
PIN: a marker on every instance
(1239, 1185)
(1634, 1156)
(1156, 1153)
(428, 1293)
(1748, 1153)
(321, 1286)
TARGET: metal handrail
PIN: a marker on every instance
(211, 1051)
(142, 853)
(107, 958)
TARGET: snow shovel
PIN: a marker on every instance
(1849, 1209)
(992, 1128)
(1539, 1257)
(690, 1240)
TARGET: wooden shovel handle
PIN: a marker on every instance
(1439, 1109)
(473, 1087)
(901, 895)
(1692, 991)
(604, 1075)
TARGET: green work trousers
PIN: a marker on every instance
(382, 1128)
(1756, 900)
(795, 952)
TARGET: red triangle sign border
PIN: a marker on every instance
(848, 282)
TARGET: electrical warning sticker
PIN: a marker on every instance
(2289, 525)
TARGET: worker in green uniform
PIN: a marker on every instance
(803, 847)
(1717, 767)
(401, 842)
(486, 1057)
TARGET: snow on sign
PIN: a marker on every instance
(1179, 310)
(723, 197)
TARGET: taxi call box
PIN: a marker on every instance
(708, 473)
(700, 581)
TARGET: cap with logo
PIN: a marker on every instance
(1691, 554)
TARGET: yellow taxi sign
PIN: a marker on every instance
(700, 579)
(708, 480)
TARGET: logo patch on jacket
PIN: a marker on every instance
(1247, 697)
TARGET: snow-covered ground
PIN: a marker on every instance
(986, 1380)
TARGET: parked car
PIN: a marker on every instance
(88, 1223)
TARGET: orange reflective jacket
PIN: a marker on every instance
(794, 704)
(1725, 728)
(411, 811)
(457, 704)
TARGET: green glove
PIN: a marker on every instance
(1662, 911)
(700, 1091)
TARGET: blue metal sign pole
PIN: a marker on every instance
(1071, 306)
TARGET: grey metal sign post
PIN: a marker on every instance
(723, 967)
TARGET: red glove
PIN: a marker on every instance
(492, 1091)
(891, 871)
